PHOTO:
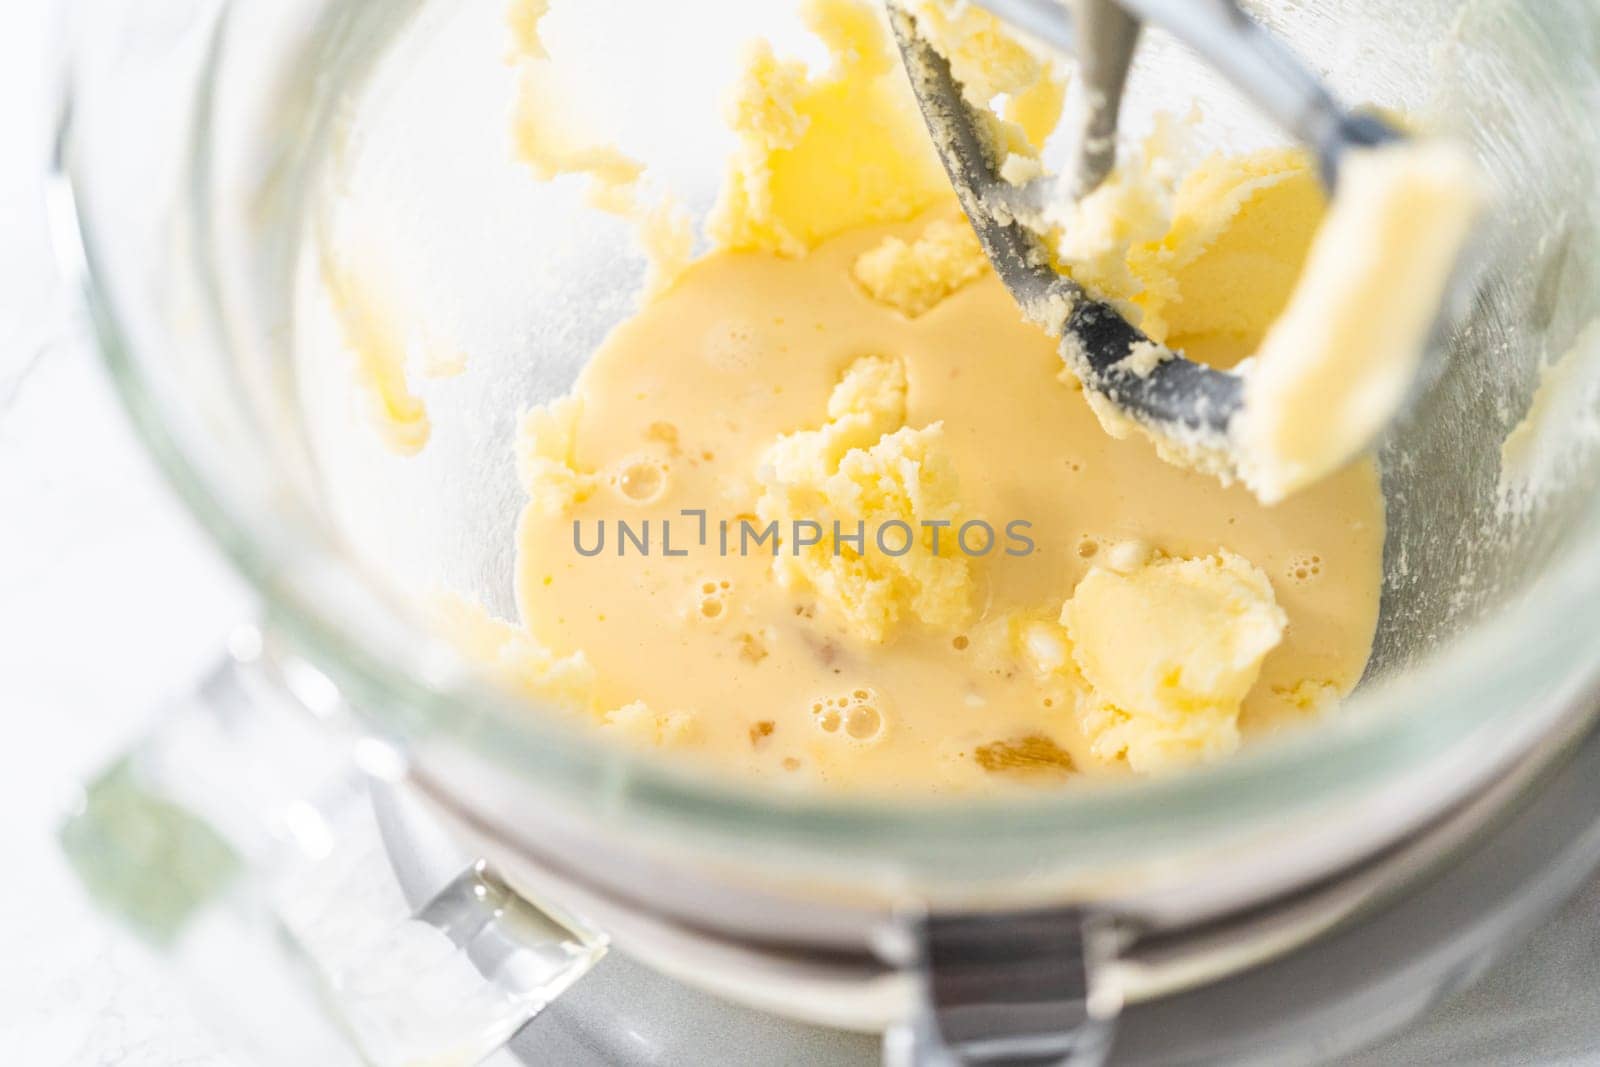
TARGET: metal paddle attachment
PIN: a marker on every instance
(1173, 397)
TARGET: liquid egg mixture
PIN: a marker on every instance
(827, 512)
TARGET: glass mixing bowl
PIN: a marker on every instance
(201, 146)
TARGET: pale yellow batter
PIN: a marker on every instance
(827, 511)
(767, 387)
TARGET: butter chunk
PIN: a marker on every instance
(822, 153)
(1309, 696)
(515, 659)
(913, 277)
(512, 657)
(640, 725)
(547, 456)
(866, 472)
(1169, 652)
(868, 402)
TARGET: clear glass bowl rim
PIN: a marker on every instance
(311, 592)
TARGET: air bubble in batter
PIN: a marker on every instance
(642, 480)
(711, 600)
(857, 715)
(1305, 567)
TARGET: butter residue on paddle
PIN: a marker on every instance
(1016, 87)
(1336, 366)
(1336, 300)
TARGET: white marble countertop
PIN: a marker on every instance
(111, 602)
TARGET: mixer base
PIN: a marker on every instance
(1329, 998)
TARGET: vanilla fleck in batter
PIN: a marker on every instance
(846, 355)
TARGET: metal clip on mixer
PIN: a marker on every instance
(1033, 1010)
(1177, 397)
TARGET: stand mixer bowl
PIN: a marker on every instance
(204, 146)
